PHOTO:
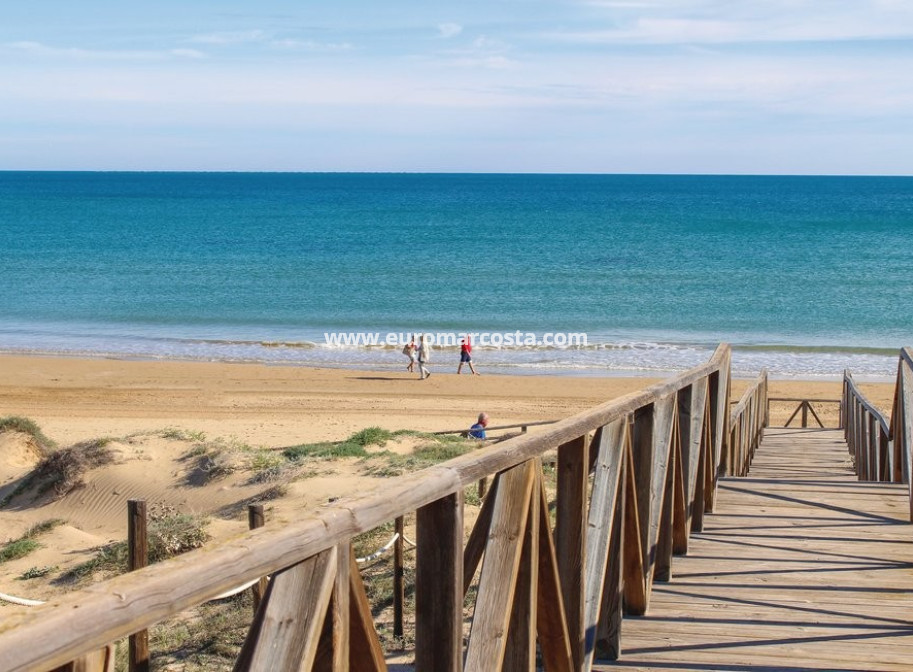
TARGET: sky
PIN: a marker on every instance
(560, 86)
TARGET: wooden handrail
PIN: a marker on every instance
(748, 419)
(520, 425)
(631, 442)
(881, 446)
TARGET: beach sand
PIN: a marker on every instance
(154, 412)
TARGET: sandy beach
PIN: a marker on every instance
(156, 414)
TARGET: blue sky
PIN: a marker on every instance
(605, 86)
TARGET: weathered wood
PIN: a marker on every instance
(137, 558)
(399, 586)
(47, 636)
(551, 619)
(520, 653)
(608, 631)
(101, 660)
(601, 520)
(365, 652)
(334, 644)
(439, 585)
(497, 582)
(570, 535)
(680, 522)
(662, 570)
(478, 537)
(658, 461)
(635, 586)
(286, 630)
(256, 518)
(818, 583)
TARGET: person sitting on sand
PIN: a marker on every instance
(466, 355)
(477, 431)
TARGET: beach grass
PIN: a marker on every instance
(15, 423)
(27, 543)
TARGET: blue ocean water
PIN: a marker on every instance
(803, 275)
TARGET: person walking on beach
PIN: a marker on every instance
(466, 355)
(409, 351)
(424, 356)
(477, 431)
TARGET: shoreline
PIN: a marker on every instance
(392, 363)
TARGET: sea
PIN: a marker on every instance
(803, 276)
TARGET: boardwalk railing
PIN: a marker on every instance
(881, 447)
(634, 477)
(749, 418)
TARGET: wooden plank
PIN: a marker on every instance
(520, 653)
(635, 586)
(333, 649)
(681, 524)
(497, 583)
(551, 619)
(802, 567)
(601, 519)
(478, 537)
(365, 652)
(287, 628)
(608, 632)
(439, 585)
(101, 660)
(663, 416)
(570, 535)
(691, 449)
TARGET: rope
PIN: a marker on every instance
(20, 600)
(379, 552)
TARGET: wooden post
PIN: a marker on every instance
(399, 593)
(520, 652)
(255, 519)
(570, 537)
(138, 557)
(804, 413)
(439, 585)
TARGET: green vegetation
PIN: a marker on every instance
(21, 547)
(354, 446)
(37, 572)
(178, 434)
(209, 637)
(14, 423)
(421, 458)
(18, 548)
(169, 534)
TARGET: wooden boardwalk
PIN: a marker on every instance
(801, 567)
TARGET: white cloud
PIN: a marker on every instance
(448, 30)
(311, 45)
(718, 21)
(188, 53)
(37, 49)
(230, 37)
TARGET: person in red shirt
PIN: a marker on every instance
(466, 355)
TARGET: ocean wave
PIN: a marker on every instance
(633, 357)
